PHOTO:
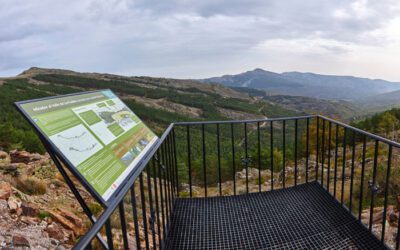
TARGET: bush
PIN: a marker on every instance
(31, 185)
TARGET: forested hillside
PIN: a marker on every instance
(385, 123)
(158, 101)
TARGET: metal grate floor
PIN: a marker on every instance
(302, 217)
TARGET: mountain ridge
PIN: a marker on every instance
(308, 84)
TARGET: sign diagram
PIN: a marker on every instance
(96, 132)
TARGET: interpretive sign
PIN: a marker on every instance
(95, 134)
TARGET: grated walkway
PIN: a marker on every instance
(302, 217)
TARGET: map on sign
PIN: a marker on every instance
(96, 133)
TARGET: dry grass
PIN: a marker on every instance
(31, 185)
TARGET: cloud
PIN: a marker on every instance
(181, 38)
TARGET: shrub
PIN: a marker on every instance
(31, 185)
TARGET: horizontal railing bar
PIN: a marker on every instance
(87, 238)
(105, 216)
(245, 121)
(360, 131)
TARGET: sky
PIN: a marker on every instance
(202, 38)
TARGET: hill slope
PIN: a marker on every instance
(307, 84)
(159, 101)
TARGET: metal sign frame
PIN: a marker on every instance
(58, 156)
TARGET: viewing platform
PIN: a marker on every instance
(301, 217)
(319, 184)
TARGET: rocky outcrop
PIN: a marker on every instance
(5, 190)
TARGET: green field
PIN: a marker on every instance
(90, 117)
(115, 129)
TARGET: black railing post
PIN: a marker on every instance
(109, 235)
(259, 156)
(387, 183)
(362, 177)
(204, 160)
(143, 202)
(307, 146)
(161, 193)
(171, 172)
(398, 231)
(123, 224)
(317, 151)
(176, 162)
(272, 154)
(246, 157)
(329, 155)
(284, 153)
(323, 153)
(164, 170)
(336, 159)
(233, 160)
(135, 216)
(295, 150)
(219, 160)
(156, 201)
(189, 159)
(352, 170)
(372, 186)
(344, 165)
(152, 212)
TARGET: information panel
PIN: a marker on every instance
(96, 133)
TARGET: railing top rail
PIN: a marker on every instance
(371, 135)
(246, 121)
(87, 238)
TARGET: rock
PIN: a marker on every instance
(252, 174)
(3, 155)
(5, 190)
(68, 220)
(18, 211)
(55, 231)
(29, 209)
(13, 204)
(71, 217)
(3, 207)
(392, 218)
(20, 241)
(20, 157)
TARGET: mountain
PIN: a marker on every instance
(380, 102)
(308, 84)
(158, 101)
(309, 105)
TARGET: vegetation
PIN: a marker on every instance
(386, 123)
(31, 185)
(16, 133)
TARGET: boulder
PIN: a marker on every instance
(3, 207)
(13, 204)
(5, 190)
(20, 157)
(68, 220)
(3, 155)
(55, 231)
(20, 241)
(252, 174)
(71, 217)
(29, 209)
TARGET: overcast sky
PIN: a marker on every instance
(202, 38)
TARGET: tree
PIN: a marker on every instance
(388, 123)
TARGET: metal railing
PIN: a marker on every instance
(203, 159)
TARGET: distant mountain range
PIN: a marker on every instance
(349, 88)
